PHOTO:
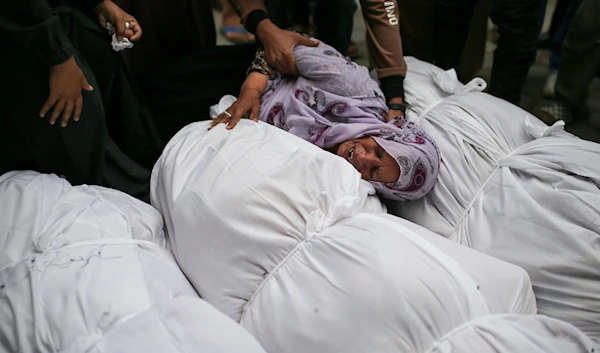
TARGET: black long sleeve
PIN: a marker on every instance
(33, 25)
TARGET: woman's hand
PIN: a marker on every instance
(66, 82)
(108, 11)
(279, 46)
(392, 113)
(247, 105)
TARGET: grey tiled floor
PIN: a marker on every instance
(532, 96)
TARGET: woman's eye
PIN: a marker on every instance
(374, 171)
(380, 152)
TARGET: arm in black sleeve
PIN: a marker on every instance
(33, 25)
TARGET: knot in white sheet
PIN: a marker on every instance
(449, 83)
(538, 131)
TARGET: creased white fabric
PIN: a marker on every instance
(288, 240)
(516, 334)
(516, 189)
(84, 269)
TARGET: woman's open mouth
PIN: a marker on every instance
(350, 154)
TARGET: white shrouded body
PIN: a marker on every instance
(513, 188)
(286, 239)
(84, 269)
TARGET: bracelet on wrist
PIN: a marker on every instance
(253, 19)
(397, 106)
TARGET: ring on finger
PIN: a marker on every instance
(227, 113)
(126, 24)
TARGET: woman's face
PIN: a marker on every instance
(371, 161)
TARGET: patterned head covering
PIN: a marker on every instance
(335, 100)
(418, 158)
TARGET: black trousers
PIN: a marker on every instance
(116, 142)
(516, 50)
(84, 152)
(580, 60)
(334, 19)
(183, 91)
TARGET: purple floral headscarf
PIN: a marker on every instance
(335, 100)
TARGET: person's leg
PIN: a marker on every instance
(132, 143)
(450, 30)
(334, 20)
(128, 120)
(172, 29)
(516, 51)
(183, 91)
(580, 59)
(542, 17)
(279, 12)
(549, 88)
(300, 15)
(231, 26)
(558, 16)
(561, 33)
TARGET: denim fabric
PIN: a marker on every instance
(558, 38)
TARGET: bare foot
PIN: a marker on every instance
(231, 26)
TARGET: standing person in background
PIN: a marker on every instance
(557, 35)
(558, 14)
(65, 91)
(385, 51)
(69, 107)
(580, 63)
(517, 22)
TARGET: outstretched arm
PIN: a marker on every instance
(247, 104)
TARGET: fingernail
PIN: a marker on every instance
(52, 123)
(63, 125)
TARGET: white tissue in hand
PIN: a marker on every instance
(122, 44)
(118, 45)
